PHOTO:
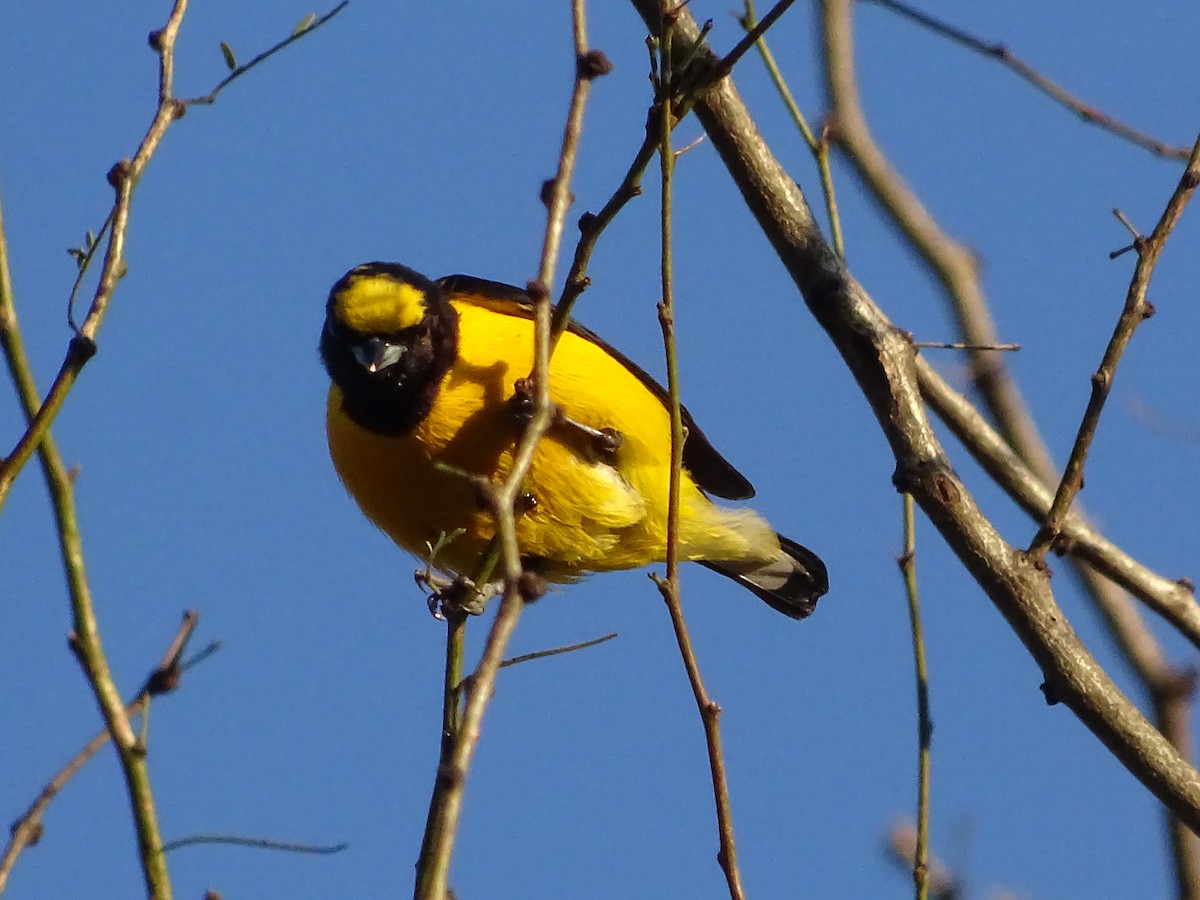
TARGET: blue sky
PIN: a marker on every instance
(421, 133)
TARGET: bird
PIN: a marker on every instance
(424, 390)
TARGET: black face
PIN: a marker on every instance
(389, 381)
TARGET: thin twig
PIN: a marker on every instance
(908, 568)
(1136, 310)
(710, 711)
(1170, 598)
(85, 639)
(749, 39)
(749, 21)
(817, 146)
(1171, 699)
(1129, 226)
(881, 360)
(956, 267)
(256, 843)
(1002, 54)
(556, 651)
(124, 177)
(901, 847)
(84, 262)
(467, 684)
(452, 694)
(1170, 690)
(963, 345)
(433, 866)
(27, 830)
(952, 263)
(592, 226)
(238, 71)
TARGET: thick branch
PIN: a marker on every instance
(1170, 599)
(882, 360)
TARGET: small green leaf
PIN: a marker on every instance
(304, 24)
(90, 240)
(230, 59)
(78, 255)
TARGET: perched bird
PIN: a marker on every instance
(423, 376)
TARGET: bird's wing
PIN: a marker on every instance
(712, 471)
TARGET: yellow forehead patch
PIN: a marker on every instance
(374, 304)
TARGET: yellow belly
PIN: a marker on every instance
(590, 515)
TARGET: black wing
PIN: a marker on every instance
(712, 472)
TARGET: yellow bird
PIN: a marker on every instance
(423, 376)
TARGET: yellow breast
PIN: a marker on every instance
(590, 513)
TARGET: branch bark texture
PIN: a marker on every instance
(883, 361)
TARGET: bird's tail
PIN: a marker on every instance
(791, 583)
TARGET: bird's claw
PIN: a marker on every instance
(455, 595)
(602, 441)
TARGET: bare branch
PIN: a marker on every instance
(1169, 598)
(433, 867)
(883, 361)
(710, 711)
(556, 651)
(1003, 55)
(123, 177)
(302, 31)
(923, 877)
(902, 848)
(27, 830)
(255, 843)
(1136, 310)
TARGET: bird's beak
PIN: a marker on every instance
(376, 354)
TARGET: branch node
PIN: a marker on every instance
(537, 290)
(164, 679)
(81, 349)
(449, 775)
(119, 173)
(531, 586)
(592, 64)
(546, 194)
(1061, 544)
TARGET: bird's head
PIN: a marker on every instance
(389, 336)
(374, 312)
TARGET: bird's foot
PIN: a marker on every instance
(455, 595)
(603, 441)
